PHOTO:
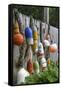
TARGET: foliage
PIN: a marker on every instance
(38, 13)
(54, 17)
(48, 76)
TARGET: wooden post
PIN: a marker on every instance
(40, 31)
(46, 15)
(46, 20)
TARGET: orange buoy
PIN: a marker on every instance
(53, 48)
(30, 66)
(18, 39)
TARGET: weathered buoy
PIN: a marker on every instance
(18, 39)
(30, 66)
(40, 49)
(48, 61)
(28, 32)
(17, 36)
(53, 48)
(35, 33)
(36, 66)
(46, 43)
(43, 63)
(20, 18)
(15, 27)
(35, 45)
(22, 73)
(40, 45)
(29, 35)
(29, 41)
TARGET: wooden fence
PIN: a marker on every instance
(53, 31)
(41, 27)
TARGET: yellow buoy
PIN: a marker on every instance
(35, 35)
(16, 27)
(35, 45)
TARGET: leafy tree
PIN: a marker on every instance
(38, 13)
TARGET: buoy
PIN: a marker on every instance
(28, 32)
(29, 41)
(35, 33)
(46, 43)
(53, 48)
(20, 18)
(15, 27)
(47, 36)
(18, 39)
(40, 45)
(48, 61)
(30, 66)
(36, 66)
(29, 35)
(40, 53)
(22, 73)
(43, 63)
(40, 49)
(35, 45)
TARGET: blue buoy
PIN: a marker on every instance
(28, 32)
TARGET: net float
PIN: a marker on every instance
(35, 33)
(15, 27)
(29, 41)
(18, 39)
(46, 43)
(22, 73)
(28, 32)
(53, 48)
(35, 45)
(36, 66)
(30, 66)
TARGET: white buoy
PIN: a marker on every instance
(30, 41)
(22, 73)
(43, 63)
(46, 43)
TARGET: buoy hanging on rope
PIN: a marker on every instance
(17, 36)
(35, 65)
(35, 46)
(18, 39)
(22, 73)
(35, 33)
(20, 18)
(35, 38)
(15, 27)
(48, 61)
(43, 63)
(30, 62)
(40, 50)
(28, 32)
(46, 43)
(53, 48)
(29, 35)
(30, 66)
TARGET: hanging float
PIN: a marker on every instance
(35, 33)
(17, 36)
(36, 65)
(46, 43)
(40, 50)
(22, 73)
(29, 35)
(53, 48)
(35, 38)
(43, 64)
